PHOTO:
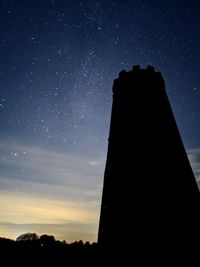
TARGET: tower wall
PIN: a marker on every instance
(150, 194)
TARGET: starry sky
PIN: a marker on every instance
(58, 60)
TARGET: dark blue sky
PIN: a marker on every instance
(58, 62)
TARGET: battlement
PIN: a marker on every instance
(138, 77)
(136, 69)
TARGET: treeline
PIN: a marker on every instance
(30, 249)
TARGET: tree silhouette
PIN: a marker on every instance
(27, 237)
(47, 238)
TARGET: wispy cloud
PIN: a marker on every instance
(48, 166)
(194, 158)
(44, 187)
(23, 208)
(94, 163)
(33, 165)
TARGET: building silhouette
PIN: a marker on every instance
(150, 201)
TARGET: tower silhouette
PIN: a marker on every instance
(150, 199)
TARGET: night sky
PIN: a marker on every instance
(58, 60)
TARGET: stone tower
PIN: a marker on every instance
(150, 195)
